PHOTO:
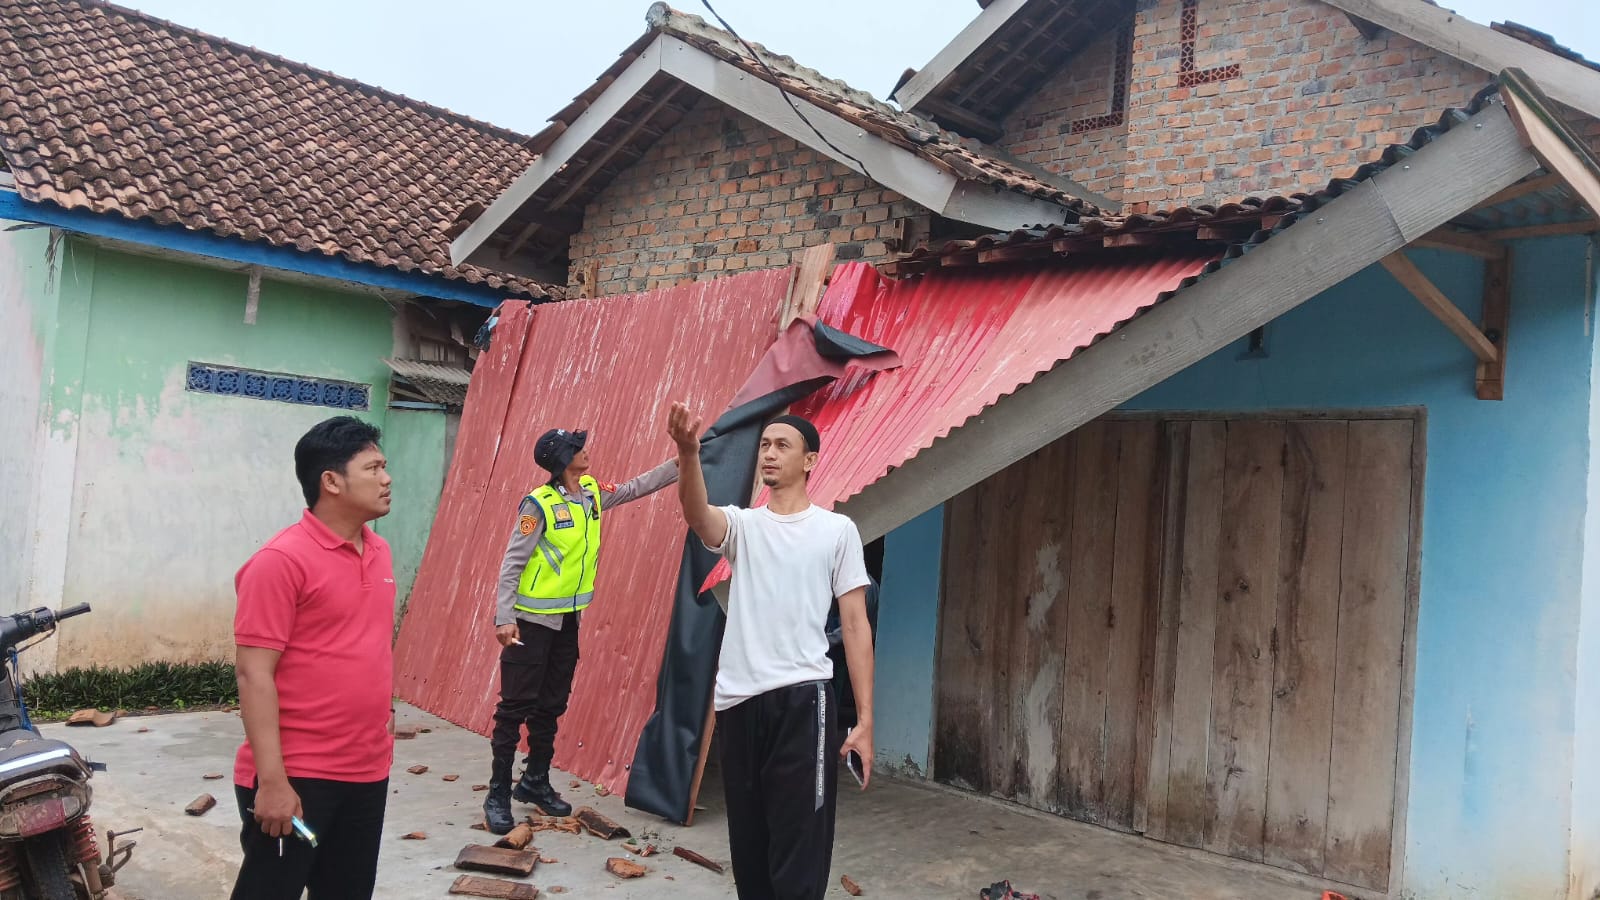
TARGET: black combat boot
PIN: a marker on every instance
(497, 809)
(536, 789)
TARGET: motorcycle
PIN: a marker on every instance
(48, 847)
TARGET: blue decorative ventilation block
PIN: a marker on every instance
(233, 382)
(201, 378)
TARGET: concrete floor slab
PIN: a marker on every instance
(899, 840)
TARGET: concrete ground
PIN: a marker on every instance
(899, 840)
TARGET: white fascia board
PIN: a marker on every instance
(604, 108)
(955, 54)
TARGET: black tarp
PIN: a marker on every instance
(808, 356)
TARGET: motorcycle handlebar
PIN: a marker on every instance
(71, 611)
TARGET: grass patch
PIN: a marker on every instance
(158, 685)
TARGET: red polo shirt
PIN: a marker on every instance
(330, 611)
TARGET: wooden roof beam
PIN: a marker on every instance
(1448, 238)
(1522, 189)
(1412, 278)
(1550, 139)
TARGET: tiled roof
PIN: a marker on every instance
(109, 110)
(1543, 41)
(951, 152)
(1241, 225)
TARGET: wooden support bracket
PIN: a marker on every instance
(1406, 272)
(1496, 326)
(1461, 242)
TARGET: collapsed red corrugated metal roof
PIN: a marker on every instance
(610, 366)
(967, 338)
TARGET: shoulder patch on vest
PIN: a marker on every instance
(526, 525)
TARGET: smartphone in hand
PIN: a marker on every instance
(852, 761)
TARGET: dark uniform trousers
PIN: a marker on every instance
(346, 817)
(535, 682)
(780, 773)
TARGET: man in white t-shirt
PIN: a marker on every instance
(776, 714)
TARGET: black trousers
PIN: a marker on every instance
(346, 817)
(535, 682)
(780, 773)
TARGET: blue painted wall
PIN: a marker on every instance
(1586, 752)
(1502, 549)
(908, 622)
(1503, 553)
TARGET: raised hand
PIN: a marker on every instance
(684, 429)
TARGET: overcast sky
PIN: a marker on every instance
(515, 62)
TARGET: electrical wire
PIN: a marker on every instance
(778, 83)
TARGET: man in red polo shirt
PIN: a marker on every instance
(313, 627)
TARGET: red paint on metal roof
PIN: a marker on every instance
(610, 366)
(966, 338)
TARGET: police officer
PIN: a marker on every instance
(546, 580)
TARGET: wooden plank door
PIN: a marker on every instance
(1191, 629)
(1280, 644)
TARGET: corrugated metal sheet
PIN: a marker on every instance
(967, 338)
(610, 366)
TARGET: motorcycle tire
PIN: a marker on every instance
(49, 868)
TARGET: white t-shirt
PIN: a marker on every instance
(787, 571)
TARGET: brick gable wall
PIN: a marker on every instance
(722, 193)
(1272, 96)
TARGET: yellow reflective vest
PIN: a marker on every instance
(559, 578)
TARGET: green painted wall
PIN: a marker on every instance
(172, 490)
(414, 441)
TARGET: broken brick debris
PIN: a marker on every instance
(697, 859)
(86, 717)
(598, 825)
(213, 776)
(576, 784)
(414, 836)
(478, 826)
(518, 838)
(624, 868)
(473, 886)
(449, 777)
(548, 860)
(480, 787)
(201, 805)
(850, 887)
(569, 824)
(418, 770)
(499, 860)
(406, 732)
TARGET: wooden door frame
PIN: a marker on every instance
(1418, 416)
